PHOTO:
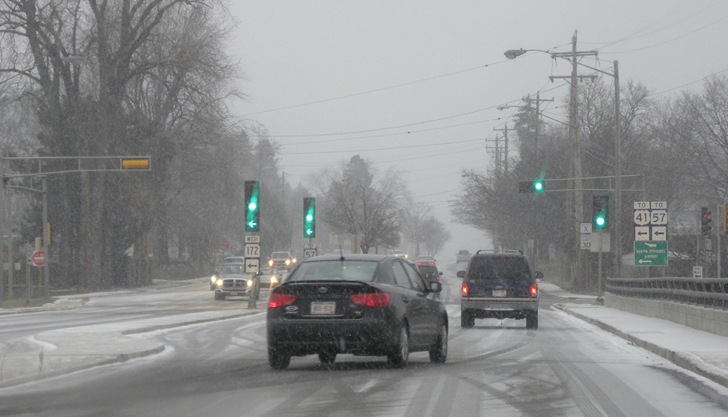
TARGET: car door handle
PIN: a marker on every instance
(405, 300)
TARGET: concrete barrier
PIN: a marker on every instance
(701, 318)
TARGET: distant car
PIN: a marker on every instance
(232, 281)
(425, 259)
(281, 260)
(368, 305)
(428, 271)
(499, 285)
(398, 253)
(270, 278)
(233, 260)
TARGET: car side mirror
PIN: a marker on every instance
(439, 273)
(435, 286)
(539, 274)
(461, 274)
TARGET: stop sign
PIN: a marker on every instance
(38, 258)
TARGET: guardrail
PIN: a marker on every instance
(704, 292)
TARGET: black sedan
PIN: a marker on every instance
(371, 305)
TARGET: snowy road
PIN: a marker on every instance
(565, 368)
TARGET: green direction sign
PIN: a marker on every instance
(650, 252)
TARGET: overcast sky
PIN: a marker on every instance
(416, 84)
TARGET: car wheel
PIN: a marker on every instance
(277, 359)
(219, 296)
(467, 320)
(532, 321)
(400, 354)
(327, 358)
(438, 353)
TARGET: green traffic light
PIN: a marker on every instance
(538, 185)
(600, 222)
(309, 217)
(252, 215)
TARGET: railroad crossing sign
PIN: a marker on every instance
(650, 253)
(38, 258)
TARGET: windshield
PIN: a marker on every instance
(156, 155)
(335, 270)
(233, 269)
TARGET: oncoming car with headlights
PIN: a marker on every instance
(371, 305)
(233, 281)
(281, 260)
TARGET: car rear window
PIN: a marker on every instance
(507, 269)
(427, 270)
(335, 270)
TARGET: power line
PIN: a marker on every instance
(376, 89)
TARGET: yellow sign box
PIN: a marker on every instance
(135, 163)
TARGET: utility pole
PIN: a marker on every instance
(617, 175)
(538, 101)
(496, 151)
(575, 145)
(505, 146)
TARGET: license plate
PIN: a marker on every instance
(499, 293)
(323, 307)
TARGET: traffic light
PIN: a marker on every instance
(600, 212)
(309, 217)
(252, 206)
(535, 186)
(706, 222)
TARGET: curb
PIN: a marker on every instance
(678, 358)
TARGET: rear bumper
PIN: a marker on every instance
(508, 307)
(365, 336)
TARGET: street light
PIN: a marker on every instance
(515, 53)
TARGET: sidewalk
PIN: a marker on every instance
(701, 352)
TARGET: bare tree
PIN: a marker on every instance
(356, 205)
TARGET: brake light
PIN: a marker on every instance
(374, 299)
(464, 289)
(534, 290)
(279, 300)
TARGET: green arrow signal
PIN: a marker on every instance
(309, 232)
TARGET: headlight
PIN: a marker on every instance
(218, 283)
(213, 279)
(250, 283)
(270, 263)
(274, 280)
(294, 260)
(288, 262)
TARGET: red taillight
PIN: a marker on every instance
(374, 299)
(534, 290)
(279, 300)
(464, 289)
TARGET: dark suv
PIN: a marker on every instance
(499, 285)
